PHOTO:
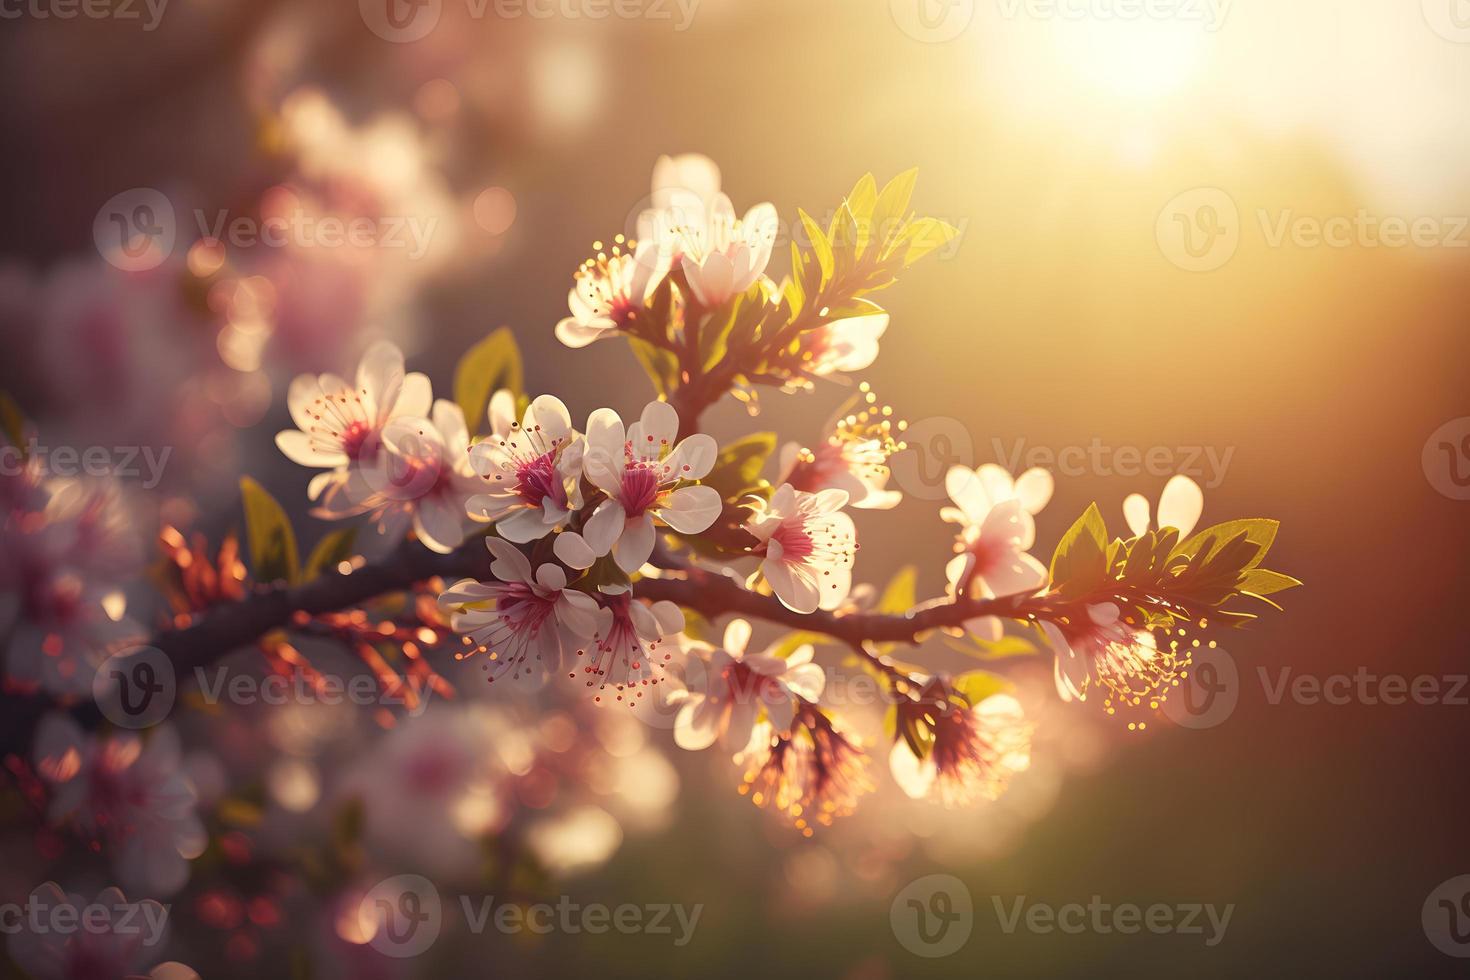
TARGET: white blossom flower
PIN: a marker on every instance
(808, 547)
(337, 423)
(845, 345)
(524, 622)
(995, 563)
(721, 255)
(975, 492)
(628, 636)
(423, 476)
(853, 458)
(130, 793)
(641, 471)
(65, 541)
(611, 290)
(61, 629)
(530, 471)
(1179, 507)
(115, 938)
(726, 690)
(1103, 651)
(974, 754)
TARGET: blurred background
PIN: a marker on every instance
(1233, 232)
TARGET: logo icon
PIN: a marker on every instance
(1207, 697)
(1446, 917)
(135, 230)
(1446, 459)
(1199, 230)
(402, 914)
(135, 688)
(1450, 19)
(932, 21)
(406, 461)
(400, 21)
(935, 445)
(933, 916)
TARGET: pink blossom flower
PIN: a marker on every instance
(338, 424)
(522, 623)
(628, 636)
(530, 471)
(1125, 663)
(995, 563)
(422, 476)
(974, 754)
(809, 547)
(853, 458)
(644, 474)
(721, 255)
(129, 937)
(611, 291)
(1179, 507)
(129, 793)
(727, 689)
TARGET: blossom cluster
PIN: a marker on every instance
(588, 525)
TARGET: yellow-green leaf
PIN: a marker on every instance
(268, 531)
(924, 236)
(334, 548)
(485, 368)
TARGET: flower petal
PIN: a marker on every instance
(690, 510)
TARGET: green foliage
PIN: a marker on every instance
(901, 593)
(737, 469)
(1079, 566)
(268, 532)
(1206, 572)
(334, 547)
(977, 685)
(661, 365)
(485, 368)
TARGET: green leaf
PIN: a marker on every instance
(1262, 582)
(902, 592)
(891, 211)
(661, 365)
(13, 423)
(977, 685)
(1004, 648)
(604, 571)
(485, 368)
(1079, 566)
(334, 548)
(737, 469)
(924, 236)
(1259, 531)
(795, 291)
(820, 247)
(268, 530)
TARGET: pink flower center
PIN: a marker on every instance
(353, 438)
(795, 542)
(640, 488)
(538, 480)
